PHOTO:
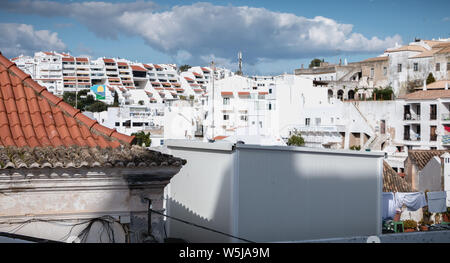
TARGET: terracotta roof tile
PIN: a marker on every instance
(137, 68)
(422, 157)
(32, 116)
(85, 156)
(427, 95)
(393, 182)
(108, 60)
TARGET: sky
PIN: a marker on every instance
(274, 36)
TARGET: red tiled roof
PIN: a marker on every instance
(166, 84)
(32, 116)
(82, 59)
(108, 60)
(243, 93)
(155, 84)
(122, 64)
(188, 79)
(169, 88)
(158, 88)
(149, 93)
(157, 66)
(198, 90)
(71, 59)
(227, 93)
(194, 85)
(179, 89)
(393, 182)
(148, 66)
(427, 95)
(176, 84)
(263, 93)
(205, 70)
(48, 53)
(219, 138)
(137, 68)
(196, 74)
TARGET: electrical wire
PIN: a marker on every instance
(203, 227)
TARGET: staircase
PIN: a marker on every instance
(379, 139)
(352, 72)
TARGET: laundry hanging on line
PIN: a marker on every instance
(413, 201)
(437, 201)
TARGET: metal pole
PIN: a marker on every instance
(213, 98)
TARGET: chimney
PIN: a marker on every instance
(425, 85)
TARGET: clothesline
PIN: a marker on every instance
(393, 202)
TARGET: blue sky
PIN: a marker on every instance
(275, 36)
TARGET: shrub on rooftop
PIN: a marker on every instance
(296, 140)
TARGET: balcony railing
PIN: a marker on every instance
(411, 137)
(408, 117)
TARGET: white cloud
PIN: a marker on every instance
(24, 39)
(195, 32)
(445, 19)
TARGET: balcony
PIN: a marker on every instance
(227, 108)
(408, 117)
(445, 117)
(412, 138)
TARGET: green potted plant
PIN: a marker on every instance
(424, 224)
(446, 215)
(410, 225)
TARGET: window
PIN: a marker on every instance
(438, 66)
(318, 121)
(307, 121)
(448, 66)
(433, 112)
(226, 117)
(270, 91)
(372, 72)
(226, 101)
(416, 66)
(243, 117)
(384, 71)
(270, 106)
(399, 67)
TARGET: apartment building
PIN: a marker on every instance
(410, 65)
(426, 118)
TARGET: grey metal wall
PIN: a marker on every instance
(296, 193)
(270, 193)
(202, 191)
